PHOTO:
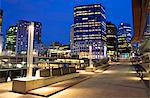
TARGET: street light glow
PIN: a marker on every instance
(30, 50)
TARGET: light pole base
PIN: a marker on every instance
(90, 69)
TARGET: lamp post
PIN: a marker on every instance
(105, 51)
(90, 56)
(30, 50)
(1, 43)
(91, 68)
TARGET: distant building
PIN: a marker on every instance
(11, 39)
(55, 44)
(72, 38)
(111, 31)
(59, 51)
(1, 34)
(124, 37)
(89, 30)
(42, 51)
(22, 36)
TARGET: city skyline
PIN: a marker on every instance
(61, 15)
(75, 48)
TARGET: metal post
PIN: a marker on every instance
(30, 50)
(90, 56)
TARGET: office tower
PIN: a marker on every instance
(1, 34)
(72, 38)
(89, 30)
(11, 39)
(22, 36)
(111, 31)
(124, 37)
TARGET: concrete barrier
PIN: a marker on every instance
(23, 85)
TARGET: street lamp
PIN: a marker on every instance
(90, 56)
(30, 50)
(91, 68)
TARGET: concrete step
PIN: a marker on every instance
(57, 87)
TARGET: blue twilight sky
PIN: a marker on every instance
(56, 16)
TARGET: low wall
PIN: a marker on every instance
(12, 73)
(146, 66)
(23, 85)
(57, 71)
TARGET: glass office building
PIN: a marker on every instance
(22, 36)
(11, 39)
(89, 30)
(111, 31)
(124, 37)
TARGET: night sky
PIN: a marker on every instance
(56, 16)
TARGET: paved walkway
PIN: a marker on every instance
(117, 82)
(57, 87)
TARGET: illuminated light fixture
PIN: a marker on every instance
(23, 62)
(105, 51)
(19, 66)
(90, 56)
(134, 78)
(30, 50)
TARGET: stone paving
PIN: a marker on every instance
(57, 87)
(119, 81)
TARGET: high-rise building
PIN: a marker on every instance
(124, 37)
(111, 31)
(72, 37)
(1, 34)
(89, 30)
(11, 39)
(22, 36)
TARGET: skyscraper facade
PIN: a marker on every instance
(11, 39)
(22, 36)
(1, 34)
(111, 31)
(124, 37)
(89, 30)
(72, 38)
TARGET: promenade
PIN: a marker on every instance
(119, 81)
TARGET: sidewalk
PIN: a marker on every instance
(6, 88)
(116, 82)
(57, 87)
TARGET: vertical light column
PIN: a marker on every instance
(90, 56)
(105, 51)
(30, 50)
(1, 41)
(1, 45)
(1, 35)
